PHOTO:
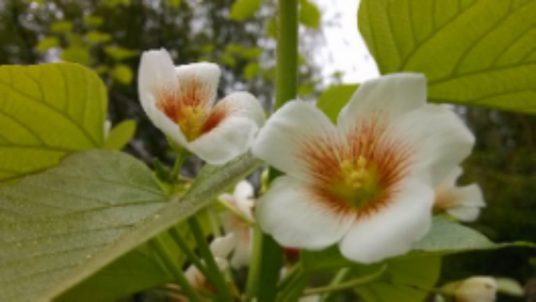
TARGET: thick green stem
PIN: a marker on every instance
(285, 90)
(287, 52)
(173, 267)
(215, 275)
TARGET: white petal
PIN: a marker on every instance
(243, 194)
(243, 190)
(223, 246)
(205, 77)
(231, 138)
(393, 230)
(195, 277)
(156, 73)
(450, 180)
(469, 200)
(439, 138)
(243, 104)
(281, 141)
(296, 218)
(242, 253)
(390, 96)
(167, 126)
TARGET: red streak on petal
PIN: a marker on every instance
(216, 117)
(388, 155)
(191, 93)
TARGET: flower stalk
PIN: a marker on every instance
(286, 89)
(215, 275)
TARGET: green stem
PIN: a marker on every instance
(252, 284)
(339, 278)
(181, 156)
(292, 289)
(271, 260)
(346, 285)
(286, 52)
(215, 275)
(177, 237)
(175, 270)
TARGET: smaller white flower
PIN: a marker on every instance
(476, 289)
(220, 247)
(180, 102)
(238, 223)
(463, 203)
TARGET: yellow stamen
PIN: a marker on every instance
(191, 121)
(359, 182)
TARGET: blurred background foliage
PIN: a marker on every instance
(109, 36)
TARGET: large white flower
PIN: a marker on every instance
(180, 101)
(366, 183)
(463, 203)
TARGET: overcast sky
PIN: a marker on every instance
(345, 49)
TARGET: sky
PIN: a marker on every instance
(344, 48)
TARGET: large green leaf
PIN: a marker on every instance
(447, 236)
(405, 280)
(47, 111)
(473, 52)
(52, 222)
(60, 227)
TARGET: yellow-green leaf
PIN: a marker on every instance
(47, 43)
(244, 9)
(120, 135)
(123, 74)
(334, 98)
(309, 14)
(472, 52)
(76, 54)
(46, 112)
(119, 53)
(61, 27)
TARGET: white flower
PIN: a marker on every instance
(238, 222)
(463, 203)
(180, 101)
(476, 289)
(220, 247)
(366, 183)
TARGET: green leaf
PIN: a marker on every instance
(472, 52)
(120, 135)
(404, 281)
(47, 43)
(244, 9)
(156, 217)
(447, 236)
(119, 53)
(334, 98)
(61, 27)
(251, 70)
(136, 271)
(95, 37)
(309, 14)
(123, 74)
(52, 222)
(76, 54)
(46, 112)
(93, 21)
